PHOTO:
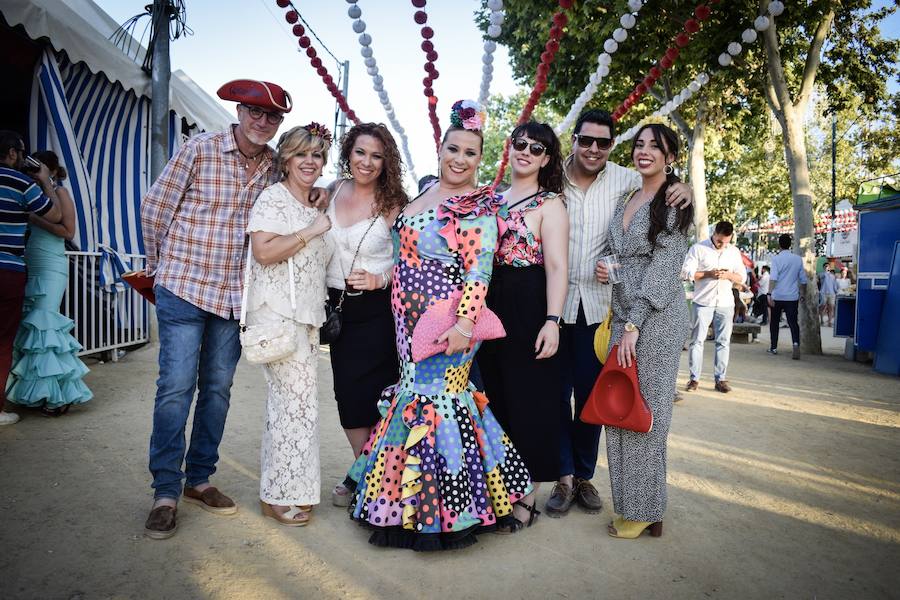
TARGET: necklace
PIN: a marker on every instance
(249, 159)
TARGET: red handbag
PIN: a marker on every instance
(616, 398)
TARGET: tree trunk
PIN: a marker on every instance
(804, 228)
(697, 171)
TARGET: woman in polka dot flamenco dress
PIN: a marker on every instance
(438, 468)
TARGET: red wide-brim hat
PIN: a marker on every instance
(616, 398)
(268, 96)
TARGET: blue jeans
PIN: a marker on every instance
(579, 368)
(197, 349)
(722, 318)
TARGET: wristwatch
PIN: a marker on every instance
(629, 326)
(556, 319)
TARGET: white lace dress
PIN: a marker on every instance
(290, 442)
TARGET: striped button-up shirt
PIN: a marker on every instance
(194, 218)
(590, 214)
(19, 195)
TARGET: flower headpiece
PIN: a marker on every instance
(318, 130)
(468, 114)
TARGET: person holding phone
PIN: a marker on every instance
(715, 266)
(20, 196)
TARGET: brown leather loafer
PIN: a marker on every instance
(587, 497)
(722, 386)
(560, 500)
(161, 523)
(211, 499)
(692, 385)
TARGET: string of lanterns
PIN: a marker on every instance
(365, 42)
(292, 16)
(748, 36)
(604, 60)
(494, 30)
(431, 72)
(682, 40)
(560, 20)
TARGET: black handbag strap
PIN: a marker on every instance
(525, 199)
(353, 262)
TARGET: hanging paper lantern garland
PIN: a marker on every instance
(560, 20)
(691, 27)
(359, 26)
(748, 36)
(292, 16)
(627, 21)
(495, 21)
(431, 72)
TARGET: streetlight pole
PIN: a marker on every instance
(160, 75)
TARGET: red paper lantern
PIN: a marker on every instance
(565, 4)
(351, 115)
(428, 91)
(555, 32)
(702, 12)
(541, 87)
(552, 46)
(433, 101)
(431, 56)
(543, 68)
(429, 67)
(299, 30)
(435, 74)
(291, 16)
(427, 82)
(692, 26)
(316, 62)
(329, 80)
(418, 3)
(560, 19)
(283, 3)
(546, 57)
(665, 63)
(655, 73)
(303, 41)
(322, 71)
(311, 52)
(673, 53)
(427, 33)
(420, 17)
(682, 40)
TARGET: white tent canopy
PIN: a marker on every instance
(83, 30)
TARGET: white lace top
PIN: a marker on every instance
(376, 254)
(277, 211)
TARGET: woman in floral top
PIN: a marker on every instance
(527, 291)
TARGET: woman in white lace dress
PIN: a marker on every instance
(285, 226)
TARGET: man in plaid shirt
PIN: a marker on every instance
(194, 219)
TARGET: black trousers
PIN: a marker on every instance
(790, 308)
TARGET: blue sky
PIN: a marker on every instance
(250, 38)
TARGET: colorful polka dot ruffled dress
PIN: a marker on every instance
(438, 468)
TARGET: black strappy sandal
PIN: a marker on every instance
(518, 525)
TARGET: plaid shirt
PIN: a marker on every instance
(194, 219)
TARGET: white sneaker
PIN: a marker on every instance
(8, 418)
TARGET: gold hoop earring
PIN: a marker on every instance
(669, 169)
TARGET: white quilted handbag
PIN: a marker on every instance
(268, 342)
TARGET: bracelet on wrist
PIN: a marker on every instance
(462, 332)
(300, 239)
(385, 281)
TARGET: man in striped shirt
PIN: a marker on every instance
(19, 197)
(194, 219)
(593, 188)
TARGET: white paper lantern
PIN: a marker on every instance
(694, 86)
(776, 8)
(703, 78)
(377, 87)
(354, 12)
(724, 59)
(365, 40)
(351, 1)
(493, 31)
(604, 59)
(487, 68)
(372, 71)
(635, 5)
(490, 46)
(496, 18)
(620, 35)
(734, 48)
(686, 94)
(610, 46)
(487, 59)
(366, 51)
(627, 21)
(495, 4)
(378, 80)
(761, 23)
(594, 78)
(603, 70)
(359, 26)
(749, 36)
(369, 62)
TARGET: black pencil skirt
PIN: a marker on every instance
(523, 392)
(364, 358)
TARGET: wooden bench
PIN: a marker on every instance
(741, 333)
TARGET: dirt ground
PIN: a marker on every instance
(788, 487)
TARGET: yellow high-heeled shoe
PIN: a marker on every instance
(629, 530)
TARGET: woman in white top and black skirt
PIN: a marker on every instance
(362, 209)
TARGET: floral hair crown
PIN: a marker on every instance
(318, 130)
(468, 114)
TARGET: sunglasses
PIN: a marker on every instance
(536, 148)
(586, 141)
(256, 113)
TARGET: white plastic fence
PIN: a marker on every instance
(104, 320)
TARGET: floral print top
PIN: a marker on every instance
(519, 246)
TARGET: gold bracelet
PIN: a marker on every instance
(300, 239)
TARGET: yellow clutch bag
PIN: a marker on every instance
(601, 337)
